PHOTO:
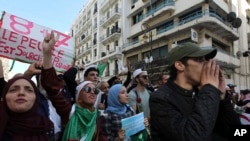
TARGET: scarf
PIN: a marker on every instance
(114, 104)
(27, 126)
(81, 125)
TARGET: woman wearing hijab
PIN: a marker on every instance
(83, 117)
(20, 120)
(117, 110)
(79, 120)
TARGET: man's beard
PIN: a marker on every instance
(143, 83)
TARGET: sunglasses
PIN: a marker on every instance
(88, 89)
(144, 76)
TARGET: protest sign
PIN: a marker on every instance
(133, 124)
(21, 39)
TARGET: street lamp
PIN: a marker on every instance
(146, 29)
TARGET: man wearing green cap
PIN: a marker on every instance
(189, 106)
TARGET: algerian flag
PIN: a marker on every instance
(101, 67)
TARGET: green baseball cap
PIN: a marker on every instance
(189, 49)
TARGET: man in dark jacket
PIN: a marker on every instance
(191, 106)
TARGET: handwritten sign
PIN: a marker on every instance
(22, 40)
(133, 124)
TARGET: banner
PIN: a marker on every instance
(133, 124)
(21, 39)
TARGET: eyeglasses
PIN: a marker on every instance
(144, 76)
(88, 89)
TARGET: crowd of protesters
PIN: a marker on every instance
(190, 103)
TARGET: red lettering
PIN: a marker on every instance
(31, 56)
(32, 43)
(55, 60)
(19, 48)
(9, 36)
(60, 53)
(24, 39)
(59, 64)
(18, 24)
(4, 35)
(13, 36)
(64, 39)
(6, 49)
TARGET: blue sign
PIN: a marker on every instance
(133, 124)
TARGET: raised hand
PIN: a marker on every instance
(222, 85)
(49, 42)
(48, 45)
(210, 74)
(34, 68)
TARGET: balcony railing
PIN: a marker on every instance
(115, 33)
(159, 7)
(114, 15)
(191, 17)
(147, 66)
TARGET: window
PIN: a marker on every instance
(137, 18)
(116, 8)
(83, 36)
(95, 23)
(116, 43)
(107, 32)
(108, 15)
(95, 52)
(107, 48)
(95, 40)
(95, 8)
(160, 52)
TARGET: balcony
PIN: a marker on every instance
(114, 15)
(206, 19)
(113, 36)
(85, 51)
(161, 9)
(94, 58)
(106, 4)
(156, 65)
(85, 38)
(113, 53)
(86, 25)
(226, 60)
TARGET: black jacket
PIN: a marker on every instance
(181, 115)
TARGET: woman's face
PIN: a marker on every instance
(87, 97)
(123, 95)
(20, 96)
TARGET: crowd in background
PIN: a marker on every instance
(191, 102)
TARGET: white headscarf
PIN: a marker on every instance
(80, 86)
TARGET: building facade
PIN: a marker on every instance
(143, 31)
(98, 37)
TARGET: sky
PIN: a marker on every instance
(55, 14)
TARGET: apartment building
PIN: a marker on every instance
(97, 33)
(143, 31)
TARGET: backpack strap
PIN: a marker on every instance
(137, 96)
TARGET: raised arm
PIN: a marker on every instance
(51, 83)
